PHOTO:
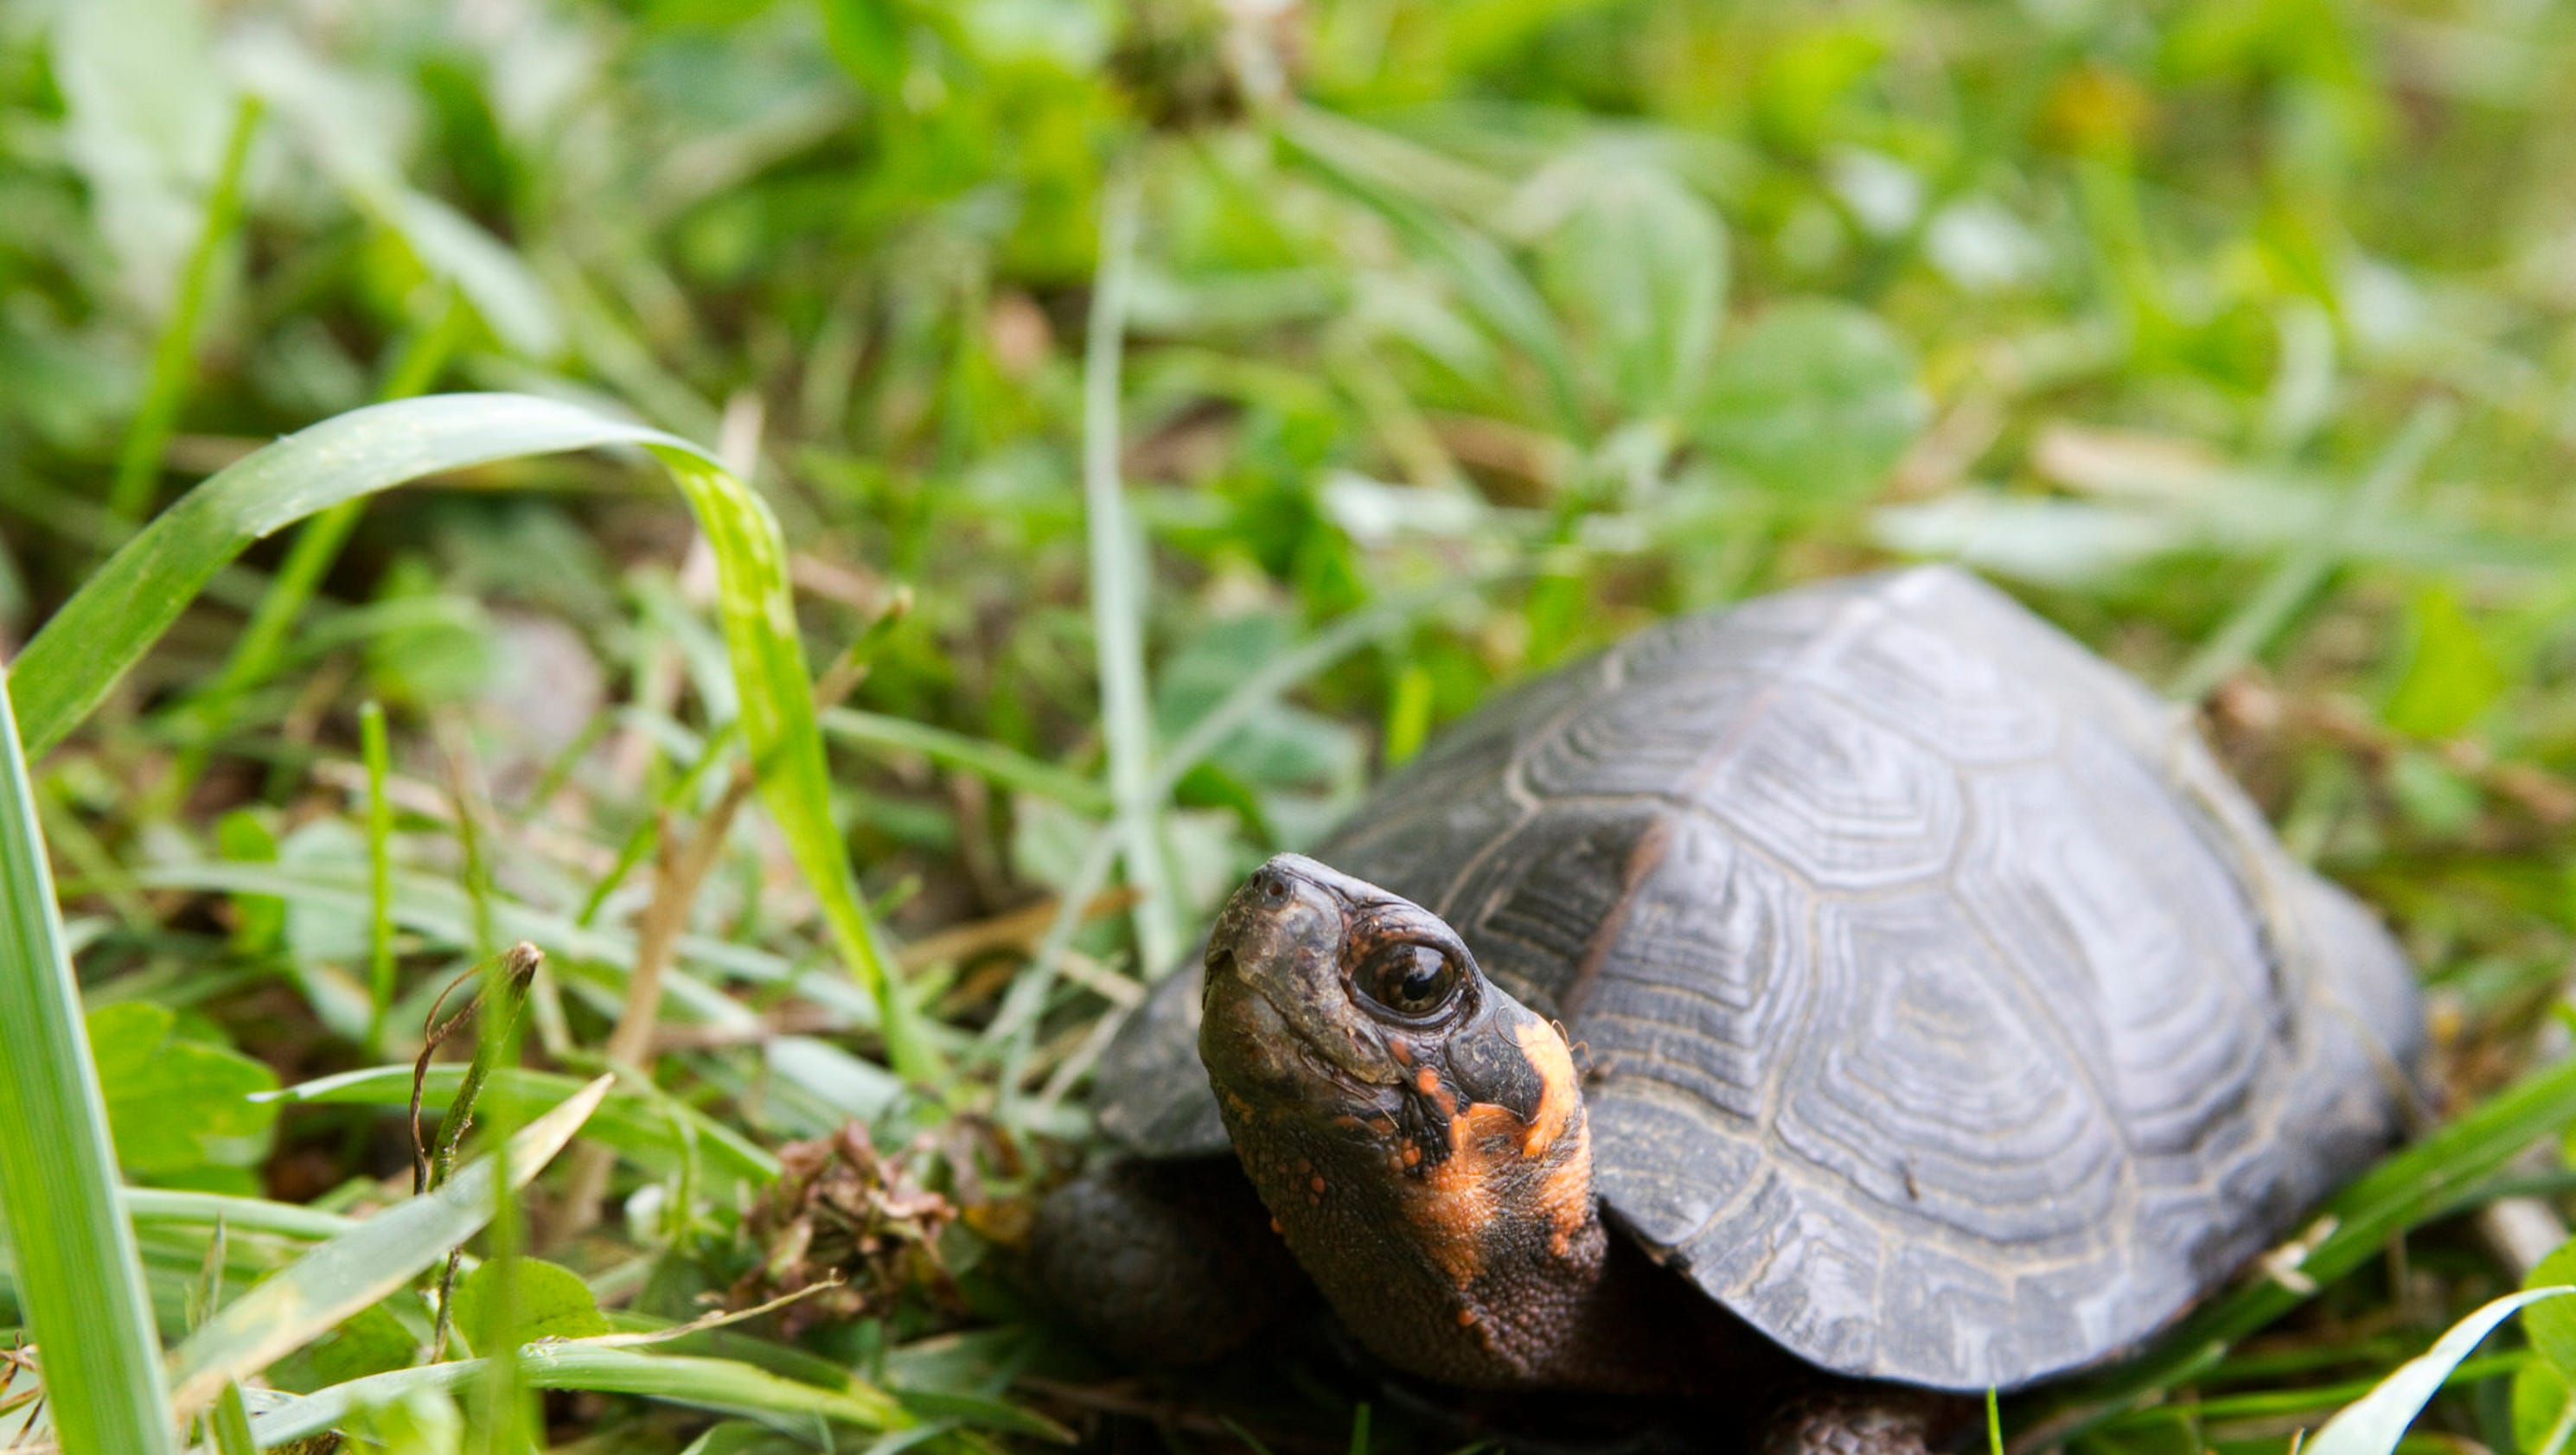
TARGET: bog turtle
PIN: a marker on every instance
(1866, 976)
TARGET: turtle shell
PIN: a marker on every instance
(1946, 1014)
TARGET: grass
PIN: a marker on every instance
(1154, 420)
(79, 1281)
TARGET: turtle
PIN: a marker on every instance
(1865, 993)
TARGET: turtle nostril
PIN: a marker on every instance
(1273, 884)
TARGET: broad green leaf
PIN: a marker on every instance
(131, 600)
(2552, 1326)
(1638, 265)
(371, 1341)
(260, 918)
(2542, 1413)
(735, 1437)
(1817, 400)
(2450, 676)
(553, 1303)
(1287, 747)
(332, 1282)
(2375, 1423)
(79, 1277)
(703, 1383)
(415, 1422)
(176, 1104)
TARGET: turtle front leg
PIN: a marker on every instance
(1165, 1263)
(1861, 1419)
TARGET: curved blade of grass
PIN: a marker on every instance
(2410, 1186)
(705, 1383)
(328, 1284)
(2275, 1403)
(777, 708)
(2373, 1424)
(124, 608)
(80, 1278)
(175, 1207)
(626, 1122)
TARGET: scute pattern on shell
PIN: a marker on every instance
(1947, 1014)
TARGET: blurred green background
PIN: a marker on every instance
(1419, 346)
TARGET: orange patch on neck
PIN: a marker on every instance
(1456, 1204)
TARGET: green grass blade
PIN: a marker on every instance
(127, 605)
(231, 1422)
(175, 1207)
(2306, 565)
(342, 1276)
(777, 707)
(80, 1278)
(262, 646)
(1118, 582)
(138, 465)
(2373, 1424)
(704, 1383)
(631, 1124)
(380, 873)
(987, 760)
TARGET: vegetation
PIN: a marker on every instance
(1106, 436)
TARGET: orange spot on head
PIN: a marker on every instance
(1315, 1185)
(1466, 1316)
(1401, 1049)
(1427, 1080)
(1274, 1227)
(1560, 1096)
(1412, 1154)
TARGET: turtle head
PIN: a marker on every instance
(1322, 988)
(1417, 1133)
(1329, 997)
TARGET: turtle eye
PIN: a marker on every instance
(1411, 979)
